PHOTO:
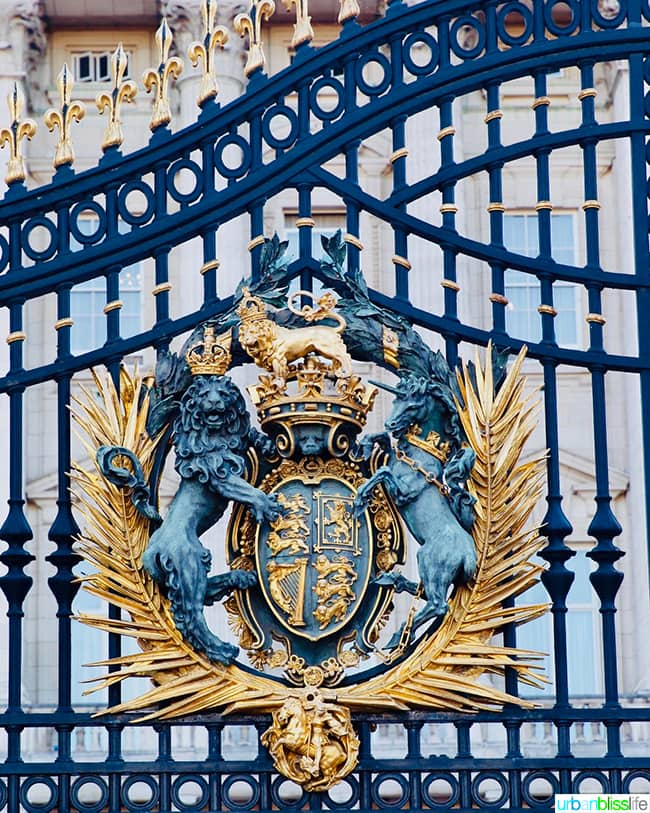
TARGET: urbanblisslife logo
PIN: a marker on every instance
(604, 802)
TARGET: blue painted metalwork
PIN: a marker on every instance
(174, 214)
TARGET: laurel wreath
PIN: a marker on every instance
(445, 669)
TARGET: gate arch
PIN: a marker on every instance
(474, 51)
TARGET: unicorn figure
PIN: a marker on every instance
(425, 474)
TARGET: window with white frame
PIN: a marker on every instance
(520, 235)
(87, 301)
(95, 65)
(583, 632)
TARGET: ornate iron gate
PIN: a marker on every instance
(303, 129)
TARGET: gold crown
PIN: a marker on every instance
(251, 308)
(210, 355)
(314, 397)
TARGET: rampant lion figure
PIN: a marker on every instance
(212, 433)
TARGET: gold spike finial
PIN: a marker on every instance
(122, 91)
(302, 30)
(251, 24)
(63, 117)
(14, 134)
(159, 78)
(214, 36)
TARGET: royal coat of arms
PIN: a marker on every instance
(323, 517)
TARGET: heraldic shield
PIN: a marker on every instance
(320, 515)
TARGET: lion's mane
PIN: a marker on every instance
(211, 451)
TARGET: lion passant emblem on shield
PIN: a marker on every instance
(323, 517)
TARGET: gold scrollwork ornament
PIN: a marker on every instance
(122, 91)
(158, 79)
(63, 117)
(214, 36)
(13, 135)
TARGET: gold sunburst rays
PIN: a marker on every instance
(444, 671)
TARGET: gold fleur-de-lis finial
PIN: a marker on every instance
(214, 36)
(349, 10)
(159, 78)
(251, 24)
(63, 117)
(302, 30)
(14, 134)
(122, 91)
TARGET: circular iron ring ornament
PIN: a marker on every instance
(451, 656)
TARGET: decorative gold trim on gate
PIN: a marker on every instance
(161, 288)
(65, 322)
(450, 284)
(492, 115)
(115, 305)
(211, 265)
(448, 208)
(543, 204)
(446, 131)
(540, 101)
(397, 260)
(353, 240)
(499, 299)
(255, 242)
(548, 310)
(585, 93)
(16, 336)
(495, 207)
(401, 153)
(591, 204)
(595, 318)
(305, 221)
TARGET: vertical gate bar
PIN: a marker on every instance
(15, 531)
(215, 758)
(414, 753)
(401, 262)
(496, 209)
(64, 529)
(305, 224)
(464, 752)
(257, 207)
(114, 757)
(604, 525)
(161, 290)
(209, 267)
(352, 210)
(163, 763)
(639, 82)
(448, 210)
(558, 578)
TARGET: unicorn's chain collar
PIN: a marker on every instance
(401, 455)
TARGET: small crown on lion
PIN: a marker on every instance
(210, 355)
(251, 309)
